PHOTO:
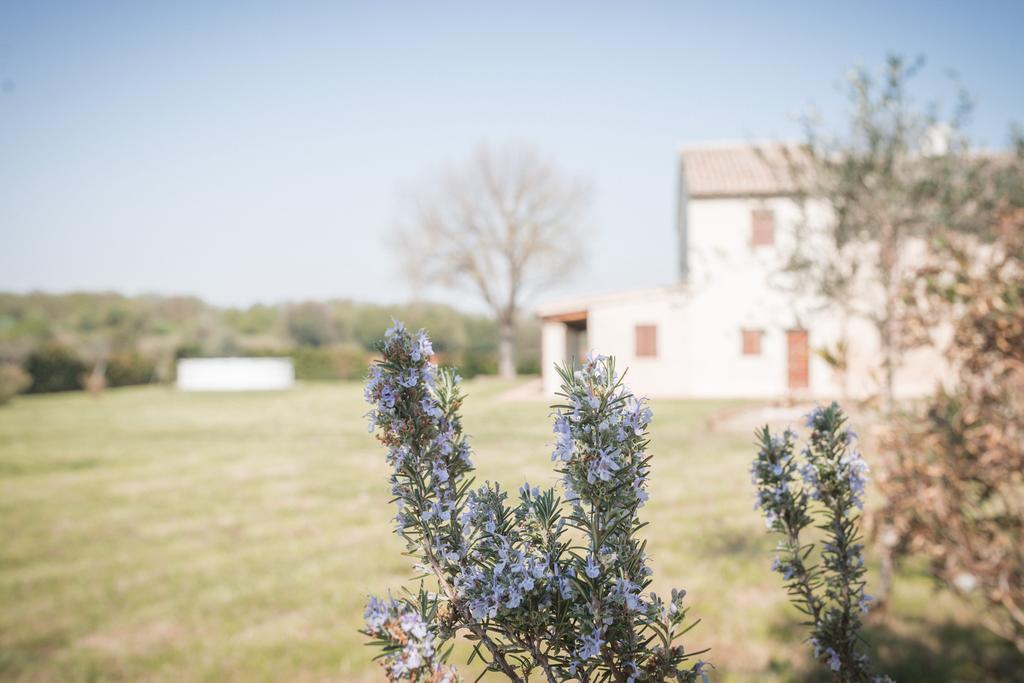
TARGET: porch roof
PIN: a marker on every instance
(575, 309)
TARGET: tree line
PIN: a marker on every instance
(66, 341)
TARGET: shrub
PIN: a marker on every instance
(54, 368)
(540, 583)
(557, 585)
(126, 369)
(189, 350)
(13, 380)
(313, 363)
(954, 482)
(528, 365)
(309, 323)
(473, 362)
(829, 589)
(326, 364)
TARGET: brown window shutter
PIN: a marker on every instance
(762, 227)
(752, 342)
(646, 341)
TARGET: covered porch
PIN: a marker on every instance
(563, 339)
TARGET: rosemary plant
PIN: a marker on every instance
(828, 586)
(541, 583)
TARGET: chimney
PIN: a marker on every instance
(937, 139)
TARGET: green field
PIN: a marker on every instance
(150, 535)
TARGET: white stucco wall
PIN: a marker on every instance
(732, 289)
(611, 330)
(552, 350)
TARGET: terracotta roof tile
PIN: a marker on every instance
(738, 171)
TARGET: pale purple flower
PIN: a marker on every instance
(590, 645)
(421, 348)
(592, 568)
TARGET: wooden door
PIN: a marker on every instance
(798, 361)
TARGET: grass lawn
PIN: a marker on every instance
(158, 536)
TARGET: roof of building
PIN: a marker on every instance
(575, 309)
(739, 170)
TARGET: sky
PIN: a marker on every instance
(260, 152)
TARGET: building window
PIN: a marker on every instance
(646, 341)
(762, 223)
(752, 342)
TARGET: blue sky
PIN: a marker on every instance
(259, 151)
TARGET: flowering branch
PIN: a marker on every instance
(400, 629)
(545, 583)
(831, 494)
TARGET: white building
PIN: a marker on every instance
(725, 329)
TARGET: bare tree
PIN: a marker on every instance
(505, 223)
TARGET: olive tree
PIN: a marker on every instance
(894, 177)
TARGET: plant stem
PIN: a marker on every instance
(478, 631)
